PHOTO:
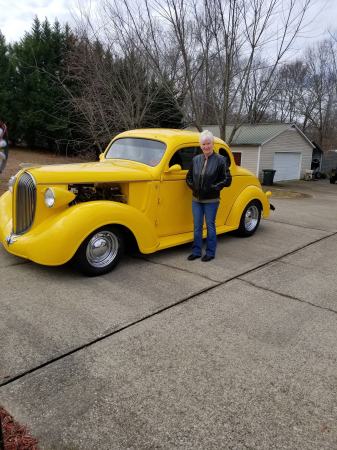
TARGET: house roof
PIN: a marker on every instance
(257, 134)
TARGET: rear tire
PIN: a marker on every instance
(250, 219)
(100, 252)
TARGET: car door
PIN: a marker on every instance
(228, 194)
(175, 198)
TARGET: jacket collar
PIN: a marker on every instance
(211, 156)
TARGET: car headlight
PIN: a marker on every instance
(11, 183)
(49, 198)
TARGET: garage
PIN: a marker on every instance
(287, 166)
(279, 146)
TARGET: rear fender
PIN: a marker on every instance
(249, 194)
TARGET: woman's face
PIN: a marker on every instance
(207, 146)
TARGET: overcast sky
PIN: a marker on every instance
(16, 16)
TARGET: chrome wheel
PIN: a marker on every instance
(102, 249)
(252, 217)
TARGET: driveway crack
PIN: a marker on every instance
(290, 297)
(300, 266)
(10, 379)
(181, 269)
(301, 226)
(172, 305)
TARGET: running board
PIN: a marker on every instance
(184, 238)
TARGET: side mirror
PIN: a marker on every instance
(101, 157)
(174, 168)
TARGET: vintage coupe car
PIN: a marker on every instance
(87, 212)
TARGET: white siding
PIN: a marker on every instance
(288, 141)
(249, 156)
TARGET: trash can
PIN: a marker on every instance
(268, 177)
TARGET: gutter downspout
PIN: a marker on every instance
(258, 162)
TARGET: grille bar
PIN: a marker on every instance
(25, 203)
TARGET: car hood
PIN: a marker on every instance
(95, 172)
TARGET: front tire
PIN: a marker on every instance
(250, 219)
(100, 252)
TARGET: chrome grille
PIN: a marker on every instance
(25, 203)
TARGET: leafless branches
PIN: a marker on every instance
(219, 59)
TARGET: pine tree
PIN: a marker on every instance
(5, 93)
(43, 115)
(164, 111)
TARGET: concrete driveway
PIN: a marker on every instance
(237, 353)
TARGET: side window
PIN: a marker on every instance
(184, 157)
(224, 153)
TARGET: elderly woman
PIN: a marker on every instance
(206, 177)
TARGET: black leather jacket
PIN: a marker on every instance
(216, 176)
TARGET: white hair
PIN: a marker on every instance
(206, 134)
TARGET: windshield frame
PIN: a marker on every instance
(158, 161)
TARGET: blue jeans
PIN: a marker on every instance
(207, 210)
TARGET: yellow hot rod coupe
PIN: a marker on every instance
(86, 212)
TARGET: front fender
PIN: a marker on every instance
(56, 240)
(5, 216)
(246, 196)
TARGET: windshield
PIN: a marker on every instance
(145, 151)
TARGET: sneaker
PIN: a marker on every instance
(206, 258)
(193, 257)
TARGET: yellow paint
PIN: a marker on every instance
(157, 208)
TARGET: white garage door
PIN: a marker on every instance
(287, 166)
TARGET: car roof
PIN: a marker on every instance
(165, 134)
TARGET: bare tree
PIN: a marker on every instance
(321, 89)
(216, 47)
(206, 53)
(112, 92)
(289, 101)
(164, 34)
(260, 19)
(118, 89)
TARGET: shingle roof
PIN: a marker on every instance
(254, 134)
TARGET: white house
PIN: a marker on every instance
(282, 147)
